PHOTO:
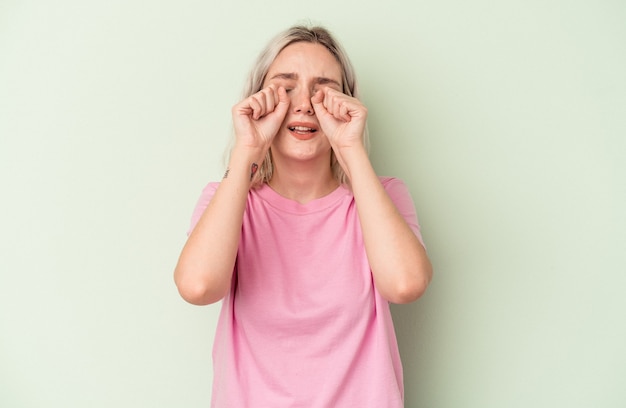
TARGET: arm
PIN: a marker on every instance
(205, 267)
(399, 263)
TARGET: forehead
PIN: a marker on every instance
(304, 59)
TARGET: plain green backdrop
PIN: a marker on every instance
(506, 119)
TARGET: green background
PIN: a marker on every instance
(506, 119)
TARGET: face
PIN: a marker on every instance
(302, 68)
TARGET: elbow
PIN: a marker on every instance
(411, 287)
(408, 292)
(194, 295)
(198, 292)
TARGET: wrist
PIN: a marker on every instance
(351, 154)
(247, 154)
(244, 164)
(354, 160)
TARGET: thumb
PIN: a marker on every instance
(283, 103)
(317, 101)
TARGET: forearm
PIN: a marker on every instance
(204, 271)
(398, 260)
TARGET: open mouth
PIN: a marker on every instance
(302, 129)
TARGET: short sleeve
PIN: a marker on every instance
(207, 194)
(401, 197)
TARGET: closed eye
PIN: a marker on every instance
(331, 83)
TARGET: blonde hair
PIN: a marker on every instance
(256, 78)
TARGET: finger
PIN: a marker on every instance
(336, 103)
(256, 105)
(343, 112)
(282, 104)
(270, 98)
(318, 97)
(318, 100)
(280, 94)
(265, 97)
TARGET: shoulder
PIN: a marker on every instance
(203, 201)
(394, 186)
(209, 189)
(400, 195)
(386, 180)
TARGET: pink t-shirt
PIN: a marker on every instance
(303, 324)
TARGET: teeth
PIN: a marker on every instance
(301, 129)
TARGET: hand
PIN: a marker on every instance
(341, 117)
(258, 118)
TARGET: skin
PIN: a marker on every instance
(301, 114)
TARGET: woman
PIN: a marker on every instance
(303, 242)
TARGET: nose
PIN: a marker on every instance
(301, 103)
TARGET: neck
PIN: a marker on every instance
(303, 186)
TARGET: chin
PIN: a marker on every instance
(301, 153)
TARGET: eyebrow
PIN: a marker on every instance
(294, 76)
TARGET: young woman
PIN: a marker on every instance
(304, 244)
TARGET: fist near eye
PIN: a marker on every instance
(257, 118)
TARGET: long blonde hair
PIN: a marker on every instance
(256, 78)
